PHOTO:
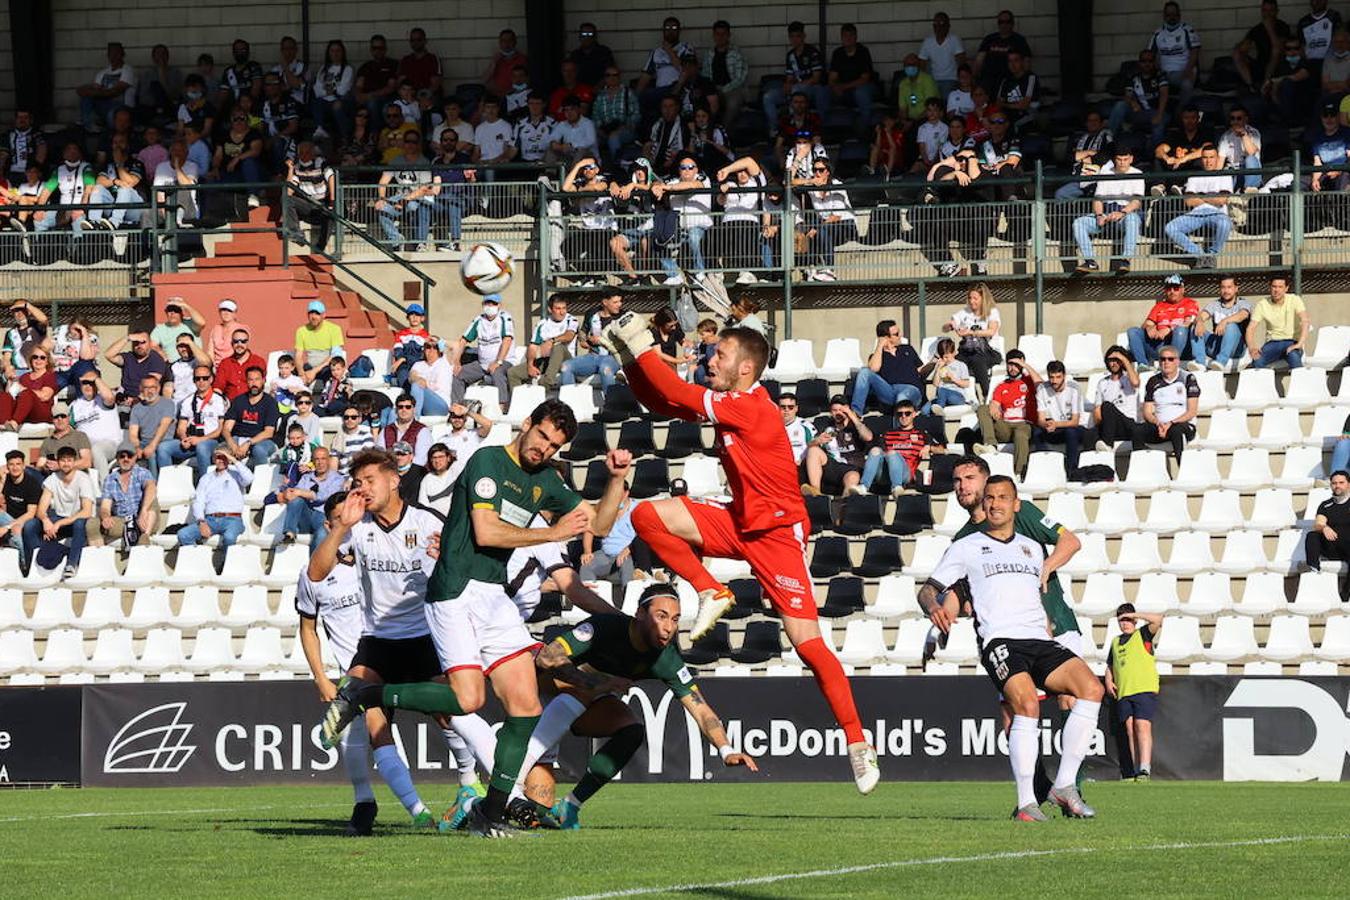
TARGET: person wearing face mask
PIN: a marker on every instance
(244, 76)
(1315, 31)
(914, 89)
(1178, 49)
(1336, 68)
(195, 109)
(498, 75)
(1292, 87)
(494, 331)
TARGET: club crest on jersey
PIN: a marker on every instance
(410, 540)
(1026, 551)
(536, 493)
(485, 487)
(986, 549)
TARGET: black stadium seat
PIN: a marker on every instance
(619, 404)
(830, 556)
(813, 396)
(859, 515)
(881, 556)
(650, 477)
(762, 642)
(749, 598)
(818, 508)
(913, 514)
(711, 647)
(637, 438)
(597, 476)
(682, 439)
(589, 443)
(844, 597)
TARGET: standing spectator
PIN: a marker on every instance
(1178, 49)
(1059, 412)
(1329, 536)
(166, 333)
(949, 377)
(1256, 54)
(497, 77)
(420, 66)
(743, 236)
(1019, 93)
(693, 90)
(377, 79)
(317, 341)
(406, 430)
(1315, 31)
(64, 436)
(352, 437)
(412, 192)
(462, 441)
(591, 57)
(243, 76)
(37, 389)
(852, 79)
(616, 113)
(662, 67)
(494, 331)
(431, 379)
(800, 432)
(689, 194)
(892, 371)
(726, 66)
(804, 72)
(942, 54)
(915, 89)
(598, 361)
(22, 490)
(29, 331)
(571, 86)
(839, 452)
(63, 513)
(1240, 147)
(304, 502)
(333, 102)
(141, 362)
(128, 510)
(113, 87)
(1132, 679)
(218, 503)
(1207, 209)
(198, 430)
(1221, 327)
(1168, 324)
(991, 59)
(250, 422)
(1171, 403)
(1116, 209)
(553, 343)
(94, 414)
(232, 373)
(902, 448)
(1144, 105)
(152, 420)
(1286, 319)
(976, 324)
(1010, 412)
(438, 486)
(1115, 414)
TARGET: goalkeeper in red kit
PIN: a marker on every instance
(765, 524)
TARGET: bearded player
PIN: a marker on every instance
(765, 524)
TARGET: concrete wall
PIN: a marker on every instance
(6, 72)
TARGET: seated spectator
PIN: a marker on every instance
(744, 314)
(1178, 49)
(311, 182)
(438, 485)
(961, 98)
(359, 147)
(113, 87)
(181, 174)
(243, 76)
(991, 59)
(152, 420)
(64, 436)
(29, 331)
(570, 86)
(833, 223)
(24, 144)
(915, 89)
(190, 356)
(141, 362)
(887, 154)
(238, 159)
(396, 134)
(805, 149)
(662, 67)
(1168, 324)
(494, 331)
(591, 56)
(405, 429)
(892, 371)
(852, 78)
(693, 91)
(598, 360)
(1089, 150)
(250, 422)
(492, 138)
(1010, 412)
(668, 138)
(943, 54)
(206, 72)
(232, 373)
(949, 377)
(1181, 148)
(94, 414)
(163, 335)
(708, 141)
(197, 432)
(304, 416)
(839, 452)
(410, 473)
(1294, 85)
(63, 514)
(74, 351)
(1329, 537)
(553, 343)
(726, 66)
(462, 441)
(1221, 327)
(902, 448)
(1286, 320)
(333, 391)
(515, 101)
(408, 343)
(120, 182)
(218, 503)
(37, 389)
(1115, 413)
(451, 190)
(294, 459)
(412, 193)
(196, 108)
(615, 112)
(70, 186)
(1171, 403)
(1240, 147)
(1019, 93)
(1336, 66)
(1059, 415)
(290, 68)
(317, 341)
(804, 71)
(800, 432)
(334, 103)
(929, 137)
(634, 223)
(689, 194)
(1256, 54)
(622, 556)
(287, 386)
(218, 339)
(22, 489)
(574, 137)
(352, 437)
(1329, 148)
(1207, 210)
(533, 130)
(430, 380)
(128, 510)
(1117, 208)
(304, 502)
(669, 338)
(704, 350)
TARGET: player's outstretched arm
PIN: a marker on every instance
(619, 462)
(490, 531)
(554, 660)
(1065, 548)
(712, 729)
(580, 596)
(324, 558)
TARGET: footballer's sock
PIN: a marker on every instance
(556, 721)
(512, 741)
(355, 746)
(464, 761)
(1075, 739)
(607, 762)
(833, 684)
(674, 551)
(425, 696)
(478, 734)
(395, 773)
(1023, 754)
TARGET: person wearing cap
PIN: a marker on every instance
(231, 378)
(140, 362)
(63, 513)
(218, 503)
(461, 440)
(804, 73)
(494, 331)
(1330, 147)
(573, 137)
(63, 435)
(1169, 322)
(199, 422)
(163, 335)
(406, 429)
(218, 337)
(591, 57)
(94, 414)
(797, 125)
(128, 508)
(1132, 679)
(317, 341)
(553, 343)
(803, 153)
(667, 137)
(408, 342)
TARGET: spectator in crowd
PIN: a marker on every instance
(317, 341)
(1059, 414)
(553, 343)
(1256, 54)
(303, 414)
(800, 432)
(250, 421)
(598, 360)
(533, 131)
(1340, 454)
(140, 362)
(617, 558)
(353, 436)
(915, 89)
(180, 172)
(1206, 210)
(1336, 67)
(120, 182)
(852, 78)
(689, 193)
(206, 71)
(1329, 148)
(636, 203)
(232, 373)
(461, 440)
(494, 331)
(662, 67)
(430, 380)
(200, 417)
(408, 343)
(196, 109)
(1132, 679)
(948, 376)
(377, 79)
(704, 351)
(1144, 105)
(1221, 327)
(23, 144)
(1010, 412)
(975, 325)
(290, 68)
(583, 248)
(406, 429)
(410, 473)
(450, 190)
(1115, 414)
(63, 514)
(571, 86)
(671, 347)
(333, 103)
(942, 53)
(1171, 403)
(516, 99)
(1117, 207)
(804, 72)
(1286, 320)
(280, 117)
(833, 223)
(805, 149)
(745, 314)
(1168, 324)
(1019, 93)
(930, 136)
(887, 153)
(190, 356)
(113, 87)
(218, 503)
(1329, 537)
(1294, 86)
(1089, 150)
(708, 141)
(438, 485)
(961, 98)
(492, 138)
(420, 66)
(128, 510)
(392, 142)
(991, 59)
(1178, 48)
(452, 123)
(902, 448)
(74, 351)
(615, 112)
(238, 158)
(151, 421)
(497, 77)
(412, 193)
(304, 502)
(694, 91)
(333, 388)
(744, 235)
(94, 414)
(574, 137)
(1315, 31)
(839, 452)
(37, 389)
(64, 436)
(22, 489)
(243, 76)
(1182, 147)
(591, 57)
(892, 371)
(310, 181)
(29, 331)
(668, 136)
(726, 67)
(69, 186)
(1240, 147)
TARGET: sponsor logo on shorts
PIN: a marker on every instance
(789, 584)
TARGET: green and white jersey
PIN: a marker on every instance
(71, 181)
(1031, 522)
(489, 332)
(548, 329)
(604, 643)
(800, 433)
(493, 479)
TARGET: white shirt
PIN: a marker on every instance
(332, 82)
(108, 76)
(743, 202)
(164, 173)
(548, 329)
(1121, 394)
(966, 320)
(1231, 151)
(1209, 184)
(580, 136)
(930, 136)
(960, 102)
(800, 433)
(67, 498)
(1173, 47)
(98, 421)
(295, 67)
(394, 567)
(664, 65)
(941, 58)
(462, 443)
(489, 332)
(528, 567)
(833, 202)
(1061, 406)
(336, 602)
(204, 413)
(1116, 194)
(694, 207)
(436, 491)
(533, 137)
(492, 138)
(463, 131)
(438, 376)
(1317, 34)
(1005, 584)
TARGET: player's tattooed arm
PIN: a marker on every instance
(554, 660)
(711, 727)
(938, 604)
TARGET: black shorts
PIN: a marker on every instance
(399, 660)
(1004, 658)
(832, 476)
(1137, 706)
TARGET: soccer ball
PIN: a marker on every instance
(487, 268)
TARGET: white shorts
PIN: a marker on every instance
(1071, 641)
(479, 629)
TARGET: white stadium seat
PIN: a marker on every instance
(1255, 390)
(1045, 473)
(1302, 467)
(524, 399)
(150, 607)
(192, 566)
(1228, 430)
(1138, 554)
(1273, 510)
(1213, 391)
(163, 651)
(248, 606)
(1157, 593)
(962, 647)
(1262, 667)
(102, 607)
(1148, 472)
(1315, 498)
(1330, 348)
(52, 609)
(1198, 471)
(262, 651)
(1317, 668)
(98, 566)
(145, 567)
(1039, 350)
(1083, 354)
(1179, 640)
(909, 641)
(1234, 640)
(1191, 553)
(1288, 639)
(1168, 512)
(1335, 644)
(175, 518)
(1328, 425)
(211, 651)
(266, 533)
(17, 653)
(928, 550)
(1102, 594)
(703, 475)
(112, 652)
(864, 643)
(796, 360)
(243, 565)
(1262, 595)
(842, 357)
(1249, 469)
(12, 614)
(1116, 512)
(1220, 511)
(1243, 551)
(174, 485)
(1211, 594)
(64, 652)
(10, 574)
(1317, 594)
(1095, 458)
(1091, 557)
(201, 606)
(487, 395)
(954, 517)
(1307, 388)
(1280, 427)
(287, 564)
(581, 397)
(895, 597)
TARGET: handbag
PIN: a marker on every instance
(665, 227)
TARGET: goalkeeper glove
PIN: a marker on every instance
(627, 337)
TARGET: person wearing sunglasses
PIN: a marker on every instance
(615, 111)
(1240, 146)
(591, 57)
(128, 510)
(405, 429)
(94, 414)
(902, 448)
(1171, 404)
(353, 436)
(33, 403)
(689, 194)
(406, 192)
(231, 374)
(833, 223)
(200, 417)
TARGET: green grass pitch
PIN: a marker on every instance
(725, 841)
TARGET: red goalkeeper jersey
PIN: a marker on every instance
(751, 441)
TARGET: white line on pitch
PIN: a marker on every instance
(943, 860)
(162, 812)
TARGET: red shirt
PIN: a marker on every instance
(582, 92)
(1017, 399)
(419, 71)
(230, 378)
(750, 439)
(1173, 315)
(908, 442)
(42, 409)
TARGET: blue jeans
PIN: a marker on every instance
(1142, 120)
(1202, 217)
(1071, 191)
(335, 116)
(861, 98)
(1222, 348)
(260, 452)
(1252, 181)
(693, 237)
(452, 201)
(301, 518)
(15, 538)
(896, 466)
(33, 539)
(1146, 350)
(118, 217)
(1274, 351)
(249, 171)
(171, 452)
(869, 382)
(1340, 456)
(228, 527)
(98, 111)
(775, 99)
(945, 396)
(419, 208)
(428, 401)
(1084, 227)
(606, 366)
